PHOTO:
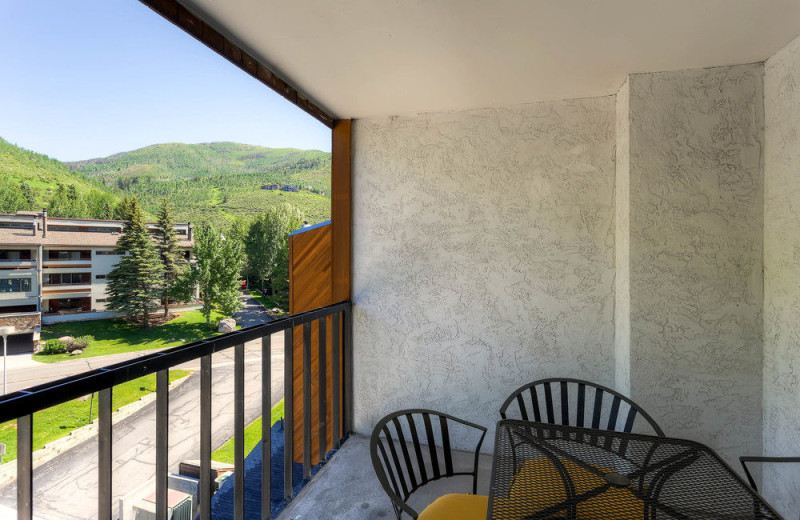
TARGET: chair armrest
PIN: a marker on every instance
(754, 458)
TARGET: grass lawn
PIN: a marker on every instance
(252, 434)
(266, 301)
(58, 421)
(116, 336)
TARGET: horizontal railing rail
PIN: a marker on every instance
(21, 405)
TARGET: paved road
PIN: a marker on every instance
(66, 486)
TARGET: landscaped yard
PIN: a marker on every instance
(266, 301)
(252, 434)
(58, 421)
(116, 336)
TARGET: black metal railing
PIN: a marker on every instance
(22, 404)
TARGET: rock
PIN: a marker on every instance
(227, 325)
(65, 339)
(76, 352)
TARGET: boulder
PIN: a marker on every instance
(226, 325)
(76, 352)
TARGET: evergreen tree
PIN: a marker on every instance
(27, 195)
(169, 252)
(134, 284)
(215, 272)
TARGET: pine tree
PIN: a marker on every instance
(134, 284)
(168, 251)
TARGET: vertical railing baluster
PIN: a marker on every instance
(162, 442)
(206, 486)
(25, 467)
(348, 369)
(288, 421)
(321, 394)
(104, 454)
(238, 432)
(335, 380)
(266, 427)
(306, 400)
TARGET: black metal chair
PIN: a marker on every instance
(752, 458)
(534, 398)
(403, 469)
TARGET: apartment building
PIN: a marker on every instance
(55, 270)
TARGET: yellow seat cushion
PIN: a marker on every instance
(457, 507)
(538, 486)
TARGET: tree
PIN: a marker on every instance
(168, 251)
(134, 284)
(265, 238)
(218, 263)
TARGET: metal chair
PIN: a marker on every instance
(531, 398)
(751, 458)
(403, 469)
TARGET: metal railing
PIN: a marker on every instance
(22, 404)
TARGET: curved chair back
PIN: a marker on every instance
(566, 401)
(404, 453)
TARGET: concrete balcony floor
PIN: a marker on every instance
(347, 488)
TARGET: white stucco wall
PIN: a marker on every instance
(782, 276)
(483, 255)
(696, 214)
(622, 249)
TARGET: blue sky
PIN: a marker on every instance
(88, 78)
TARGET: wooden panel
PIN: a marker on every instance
(197, 27)
(341, 209)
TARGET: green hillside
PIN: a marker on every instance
(30, 181)
(213, 182)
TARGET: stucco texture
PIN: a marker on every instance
(696, 216)
(483, 255)
(782, 277)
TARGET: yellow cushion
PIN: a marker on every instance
(457, 507)
(538, 486)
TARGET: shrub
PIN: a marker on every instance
(54, 346)
(79, 343)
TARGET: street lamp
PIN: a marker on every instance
(5, 331)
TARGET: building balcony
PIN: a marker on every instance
(17, 264)
(70, 262)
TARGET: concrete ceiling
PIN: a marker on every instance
(363, 58)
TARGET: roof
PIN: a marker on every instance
(24, 237)
(365, 58)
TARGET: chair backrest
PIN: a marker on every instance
(565, 401)
(404, 453)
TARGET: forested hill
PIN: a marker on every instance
(29, 181)
(213, 182)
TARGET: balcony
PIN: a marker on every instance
(17, 264)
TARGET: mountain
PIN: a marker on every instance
(213, 182)
(29, 181)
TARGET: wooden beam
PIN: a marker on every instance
(194, 25)
(341, 202)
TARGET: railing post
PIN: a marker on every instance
(306, 401)
(348, 369)
(238, 432)
(162, 442)
(104, 454)
(205, 438)
(266, 427)
(323, 383)
(336, 385)
(288, 420)
(25, 467)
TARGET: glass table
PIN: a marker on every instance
(546, 471)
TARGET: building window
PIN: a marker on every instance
(69, 305)
(55, 254)
(15, 285)
(16, 225)
(66, 279)
(9, 309)
(100, 277)
(100, 300)
(14, 254)
(107, 252)
(62, 228)
(93, 229)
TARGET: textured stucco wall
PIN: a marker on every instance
(696, 216)
(622, 249)
(782, 276)
(483, 255)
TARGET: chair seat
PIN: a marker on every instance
(457, 507)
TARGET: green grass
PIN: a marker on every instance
(115, 336)
(267, 301)
(58, 421)
(252, 434)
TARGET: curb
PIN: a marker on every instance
(8, 471)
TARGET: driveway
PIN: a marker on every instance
(66, 486)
